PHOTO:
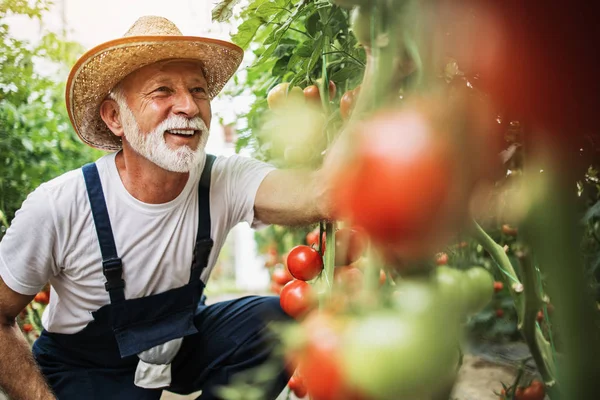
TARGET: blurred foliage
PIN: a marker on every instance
(37, 142)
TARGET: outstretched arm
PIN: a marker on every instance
(291, 197)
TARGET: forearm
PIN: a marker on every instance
(20, 377)
(295, 197)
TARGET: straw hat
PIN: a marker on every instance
(149, 40)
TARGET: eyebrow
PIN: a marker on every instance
(165, 80)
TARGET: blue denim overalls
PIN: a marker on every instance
(99, 362)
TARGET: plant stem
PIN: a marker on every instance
(540, 349)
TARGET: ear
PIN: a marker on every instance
(109, 112)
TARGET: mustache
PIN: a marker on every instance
(180, 122)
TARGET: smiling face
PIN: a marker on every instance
(165, 113)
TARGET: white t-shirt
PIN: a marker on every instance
(53, 237)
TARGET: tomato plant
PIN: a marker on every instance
(304, 263)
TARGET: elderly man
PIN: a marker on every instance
(128, 241)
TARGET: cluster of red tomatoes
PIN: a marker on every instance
(348, 349)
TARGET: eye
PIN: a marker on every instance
(162, 89)
(198, 90)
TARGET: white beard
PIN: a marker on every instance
(152, 145)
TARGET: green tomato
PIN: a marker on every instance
(452, 287)
(388, 355)
(480, 291)
(360, 21)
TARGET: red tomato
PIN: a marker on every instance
(509, 230)
(382, 277)
(350, 244)
(539, 317)
(499, 313)
(304, 262)
(276, 287)
(27, 328)
(347, 103)
(398, 183)
(297, 298)
(296, 384)
(312, 238)
(319, 363)
(535, 391)
(281, 276)
(42, 298)
(441, 259)
(498, 286)
(311, 94)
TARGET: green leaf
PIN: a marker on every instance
(317, 53)
(312, 24)
(224, 10)
(306, 49)
(345, 73)
(246, 32)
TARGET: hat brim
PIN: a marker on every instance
(101, 68)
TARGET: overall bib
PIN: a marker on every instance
(219, 340)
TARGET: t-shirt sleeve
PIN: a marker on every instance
(244, 176)
(27, 249)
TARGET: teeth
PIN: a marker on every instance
(181, 131)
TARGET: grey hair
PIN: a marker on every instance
(117, 94)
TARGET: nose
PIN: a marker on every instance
(184, 104)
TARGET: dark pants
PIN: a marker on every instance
(233, 336)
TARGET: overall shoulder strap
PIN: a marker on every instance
(112, 267)
(204, 243)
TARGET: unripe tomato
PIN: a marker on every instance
(480, 284)
(281, 276)
(360, 21)
(42, 298)
(304, 263)
(297, 298)
(390, 356)
(278, 95)
(452, 286)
